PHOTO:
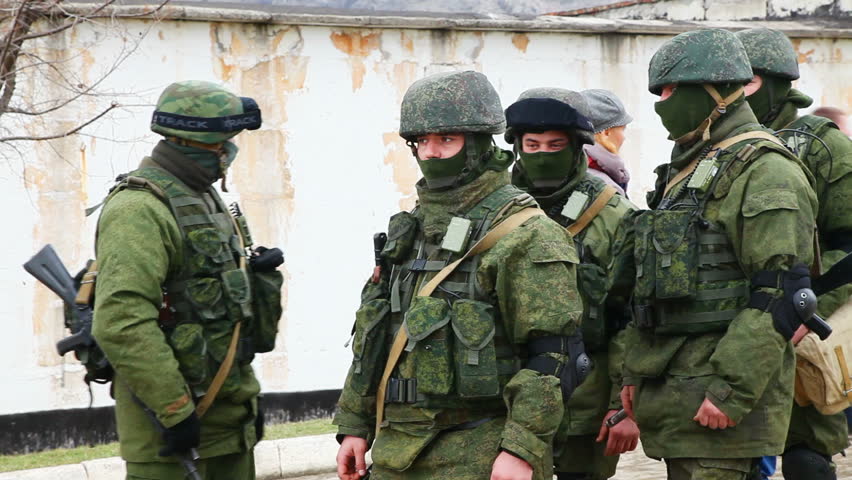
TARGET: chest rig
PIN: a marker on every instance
(592, 280)
(210, 293)
(457, 347)
(688, 279)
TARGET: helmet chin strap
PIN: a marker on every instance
(703, 130)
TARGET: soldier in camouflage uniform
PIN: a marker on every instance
(709, 364)
(813, 438)
(491, 349)
(177, 294)
(548, 130)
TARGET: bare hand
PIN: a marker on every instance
(800, 333)
(710, 416)
(350, 458)
(627, 393)
(623, 437)
(510, 467)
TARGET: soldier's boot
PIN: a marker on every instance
(801, 463)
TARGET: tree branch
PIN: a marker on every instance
(73, 131)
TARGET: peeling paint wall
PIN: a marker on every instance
(321, 176)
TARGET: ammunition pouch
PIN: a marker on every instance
(572, 372)
(266, 305)
(402, 231)
(593, 285)
(369, 346)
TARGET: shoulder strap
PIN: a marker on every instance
(594, 209)
(489, 240)
(752, 135)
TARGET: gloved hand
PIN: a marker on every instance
(266, 259)
(182, 437)
(784, 315)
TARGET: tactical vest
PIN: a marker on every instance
(458, 353)
(688, 279)
(210, 293)
(592, 280)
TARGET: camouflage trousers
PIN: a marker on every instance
(236, 466)
(580, 456)
(711, 468)
(459, 455)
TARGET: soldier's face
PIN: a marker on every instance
(439, 145)
(549, 141)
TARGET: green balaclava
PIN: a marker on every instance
(767, 101)
(214, 163)
(474, 158)
(549, 170)
(690, 111)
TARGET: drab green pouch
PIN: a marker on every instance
(427, 324)
(675, 242)
(646, 263)
(211, 248)
(206, 296)
(369, 346)
(474, 352)
(266, 299)
(402, 230)
(190, 350)
(593, 284)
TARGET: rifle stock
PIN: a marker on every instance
(48, 269)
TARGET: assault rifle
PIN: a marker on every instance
(48, 269)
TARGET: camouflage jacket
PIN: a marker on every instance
(139, 248)
(605, 288)
(765, 214)
(528, 278)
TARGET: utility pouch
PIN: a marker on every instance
(212, 249)
(190, 350)
(266, 300)
(592, 283)
(427, 324)
(369, 346)
(646, 262)
(205, 295)
(676, 249)
(402, 231)
(475, 356)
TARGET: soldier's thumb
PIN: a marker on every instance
(602, 434)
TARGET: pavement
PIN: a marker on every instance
(312, 458)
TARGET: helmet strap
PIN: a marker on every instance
(703, 130)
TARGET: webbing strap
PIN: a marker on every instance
(713, 239)
(716, 258)
(719, 275)
(704, 317)
(722, 293)
(87, 286)
(593, 211)
(844, 370)
(186, 201)
(756, 135)
(489, 240)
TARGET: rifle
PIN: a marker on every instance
(47, 268)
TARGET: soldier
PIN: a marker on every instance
(549, 134)
(813, 438)
(467, 341)
(180, 306)
(709, 364)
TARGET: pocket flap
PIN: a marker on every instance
(670, 229)
(473, 323)
(770, 199)
(425, 316)
(545, 252)
(207, 241)
(237, 286)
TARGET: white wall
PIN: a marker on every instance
(323, 174)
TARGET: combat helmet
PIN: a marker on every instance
(452, 102)
(203, 112)
(710, 56)
(770, 52)
(549, 108)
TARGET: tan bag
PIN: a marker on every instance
(822, 368)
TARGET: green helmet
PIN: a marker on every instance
(203, 112)
(453, 102)
(770, 52)
(571, 98)
(698, 57)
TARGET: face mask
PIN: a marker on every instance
(767, 100)
(691, 110)
(227, 156)
(454, 171)
(548, 169)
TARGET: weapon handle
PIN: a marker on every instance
(818, 326)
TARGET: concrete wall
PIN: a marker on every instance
(318, 179)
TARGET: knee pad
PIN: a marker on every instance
(802, 463)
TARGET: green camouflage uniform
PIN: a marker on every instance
(773, 57)
(146, 242)
(605, 289)
(468, 341)
(693, 337)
